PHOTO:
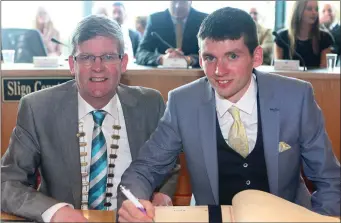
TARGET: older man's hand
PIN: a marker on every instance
(68, 214)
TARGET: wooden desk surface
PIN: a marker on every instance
(91, 215)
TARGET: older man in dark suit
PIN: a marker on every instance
(178, 26)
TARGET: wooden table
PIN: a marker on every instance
(91, 215)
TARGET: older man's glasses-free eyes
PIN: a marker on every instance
(86, 59)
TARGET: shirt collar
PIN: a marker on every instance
(175, 20)
(85, 108)
(246, 103)
(333, 25)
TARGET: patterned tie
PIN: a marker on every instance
(98, 167)
(179, 34)
(237, 136)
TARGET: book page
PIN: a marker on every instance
(256, 206)
(188, 214)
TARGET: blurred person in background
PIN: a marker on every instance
(304, 36)
(178, 25)
(140, 24)
(329, 22)
(101, 10)
(131, 37)
(44, 24)
(264, 37)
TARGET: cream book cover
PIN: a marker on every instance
(247, 206)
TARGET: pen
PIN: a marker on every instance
(133, 199)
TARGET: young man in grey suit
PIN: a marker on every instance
(239, 129)
(81, 135)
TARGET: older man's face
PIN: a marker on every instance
(254, 14)
(327, 16)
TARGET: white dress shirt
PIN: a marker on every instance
(123, 160)
(248, 113)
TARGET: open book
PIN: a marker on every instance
(247, 206)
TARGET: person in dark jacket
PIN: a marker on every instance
(329, 22)
(178, 26)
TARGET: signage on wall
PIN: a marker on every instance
(15, 88)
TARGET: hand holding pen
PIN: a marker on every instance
(134, 210)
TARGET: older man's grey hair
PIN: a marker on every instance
(97, 25)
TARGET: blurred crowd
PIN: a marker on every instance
(312, 33)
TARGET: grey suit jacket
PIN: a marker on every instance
(289, 114)
(45, 137)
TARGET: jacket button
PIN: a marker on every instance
(248, 182)
(245, 165)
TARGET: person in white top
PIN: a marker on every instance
(81, 135)
(131, 37)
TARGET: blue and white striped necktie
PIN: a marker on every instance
(98, 166)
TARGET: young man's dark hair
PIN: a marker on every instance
(229, 23)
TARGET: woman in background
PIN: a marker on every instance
(44, 24)
(304, 36)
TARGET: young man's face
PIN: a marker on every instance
(228, 66)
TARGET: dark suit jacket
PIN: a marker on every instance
(45, 137)
(336, 32)
(135, 40)
(151, 48)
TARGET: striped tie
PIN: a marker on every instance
(98, 167)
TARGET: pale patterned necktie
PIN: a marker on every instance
(178, 33)
(237, 138)
(98, 167)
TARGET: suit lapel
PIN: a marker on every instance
(169, 25)
(269, 113)
(131, 117)
(189, 28)
(207, 127)
(68, 127)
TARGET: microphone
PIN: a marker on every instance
(155, 34)
(287, 45)
(58, 42)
